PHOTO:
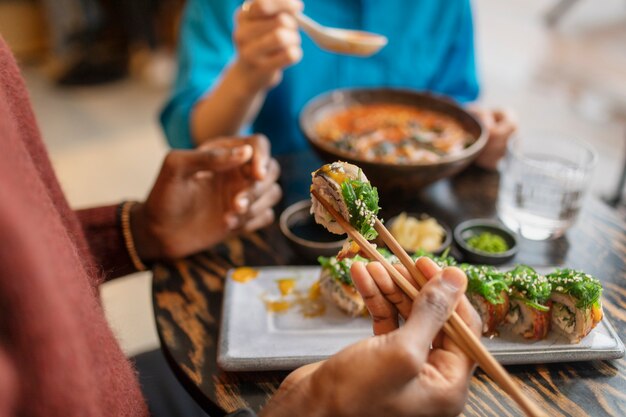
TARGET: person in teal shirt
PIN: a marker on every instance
(254, 72)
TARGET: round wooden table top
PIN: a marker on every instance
(187, 297)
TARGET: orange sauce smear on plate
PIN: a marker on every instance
(308, 302)
(244, 274)
(286, 286)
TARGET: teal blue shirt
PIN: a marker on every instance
(431, 47)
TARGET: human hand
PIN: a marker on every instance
(500, 124)
(201, 196)
(396, 372)
(267, 40)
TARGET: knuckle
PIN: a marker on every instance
(172, 160)
(263, 7)
(238, 38)
(259, 139)
(275, 167)
(247, 55)
(409, 357)
(438, 304)
(476, 323)
(277, 192)
(239, 18)
(280, 36)
(454, 401)
(285, 20)
(294, 54)
(448, 403)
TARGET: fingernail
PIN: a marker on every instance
(453, 280)
(241, 151)
(218, 152)
(243, 203)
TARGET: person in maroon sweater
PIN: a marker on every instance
(58, 357)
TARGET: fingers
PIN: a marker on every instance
(433, 306)
(264, 219)
(260, 156)
(264, 8)
(282, 58)
(389, 289)
(269, 42)
(255, 29)
(469, 315)
(452, 361)
(254, 205)
(428, 267)
(267, 36)
(256, 149)
(505, 123)
(266, 201)
(248, 196)
(214, 159)
(299, 374)
(500, 124)
(384, 313)
(485, 116)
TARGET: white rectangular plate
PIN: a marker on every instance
(253, 339)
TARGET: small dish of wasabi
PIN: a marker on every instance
(485, 241)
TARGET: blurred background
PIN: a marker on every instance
(99, 76)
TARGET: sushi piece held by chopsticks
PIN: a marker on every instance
(348, 190)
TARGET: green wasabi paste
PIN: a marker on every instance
(488, 242)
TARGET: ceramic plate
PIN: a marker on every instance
(254, 339)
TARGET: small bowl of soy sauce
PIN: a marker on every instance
(309, 238)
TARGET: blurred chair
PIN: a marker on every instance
(560, 9)
(617, 199)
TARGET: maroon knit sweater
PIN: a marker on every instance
(58, 356)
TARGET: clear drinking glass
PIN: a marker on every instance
(542, 184)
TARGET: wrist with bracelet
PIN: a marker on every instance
(124, 219)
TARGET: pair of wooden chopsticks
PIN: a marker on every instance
(455, 328)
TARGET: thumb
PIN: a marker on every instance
(433, 306)
(214, 159)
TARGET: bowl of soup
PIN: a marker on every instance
(403, 139)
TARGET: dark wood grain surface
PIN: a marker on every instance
(187, 298)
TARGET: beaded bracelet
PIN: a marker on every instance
(125, 208)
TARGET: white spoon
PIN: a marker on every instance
(341, 41)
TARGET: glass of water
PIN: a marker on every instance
(542, 184)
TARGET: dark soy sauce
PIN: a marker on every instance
(307, 229)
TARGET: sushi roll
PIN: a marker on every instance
(336, 285)
(347, 189)
(487, 291)
(576, 306)
(529, 299)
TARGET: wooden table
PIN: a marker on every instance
(187, 299)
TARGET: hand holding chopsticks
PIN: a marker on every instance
(455, 328)
(401, 374)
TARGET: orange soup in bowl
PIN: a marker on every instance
(394, 133)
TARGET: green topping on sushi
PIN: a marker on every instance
(584, 287)
(486, 281)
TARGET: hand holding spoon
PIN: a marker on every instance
(341, 41)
